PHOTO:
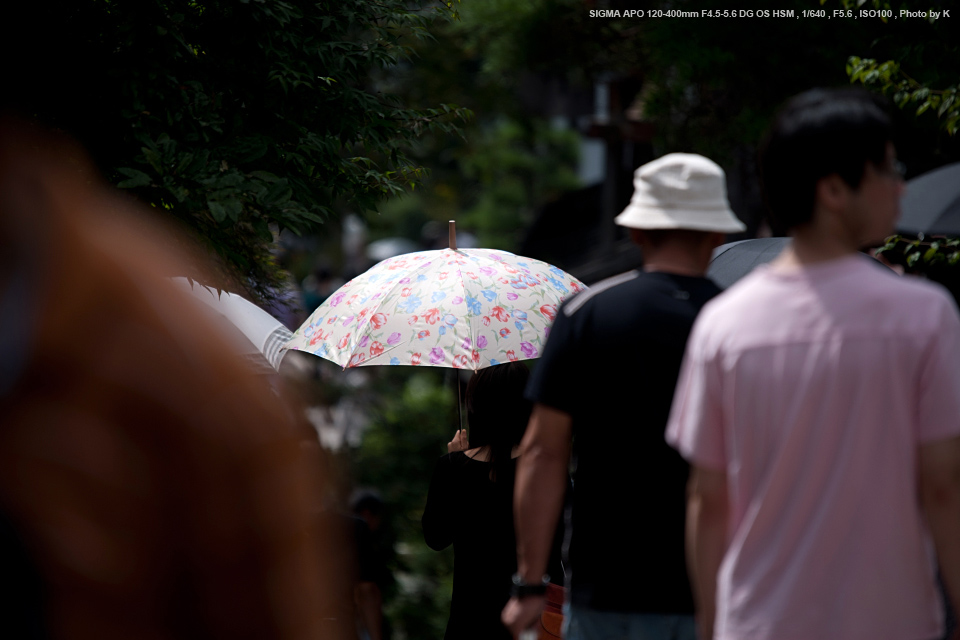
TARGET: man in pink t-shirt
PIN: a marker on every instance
(819, 407)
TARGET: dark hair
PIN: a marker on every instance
(497, 412)
(816, 134)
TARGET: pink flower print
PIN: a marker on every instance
(575, 286)
(460, 362)
(437, 356)
(363, 312)
(406, 292)
(549, 311)
(482, 342)
(344, 341)
(488, 271)
(337, 298)
(528, 349)
(432, 316)
(486, 321)
(356, 359)
(376, 349)
(332, 319)
(509, 269)
(413, 320)
(472, 275)
(317, 337)
(423, 334)
(443, 275)
(503, 280)
(466, 344)
(504, 332)
(500, 314)
(457, 300)
(476, 356)
(415, 359)
(512, 296)
(404, 281)
(352, 299)
(364, 341)
(378, 320)
(511, 355)
(394, 338)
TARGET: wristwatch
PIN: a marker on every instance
(521, 589)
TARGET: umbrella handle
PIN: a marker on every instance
(453, 235)
(459, 403)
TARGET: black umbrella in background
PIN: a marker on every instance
(931, 205)
(733, 260)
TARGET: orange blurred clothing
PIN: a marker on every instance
(157, 483)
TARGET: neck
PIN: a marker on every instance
(817, 242)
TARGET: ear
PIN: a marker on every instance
(831, 193)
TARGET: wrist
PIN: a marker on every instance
(523, 589)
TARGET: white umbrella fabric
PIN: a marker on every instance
(265, 335)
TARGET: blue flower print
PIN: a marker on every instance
(489, 295)
(323, 350)
(520, 315)
(518, 325)
(474, 306)
(437, 296)
(394, 361)
(557, 272)
(558, 285)
(494, 362)
(410, 304)
(443, 329)
(421, 278)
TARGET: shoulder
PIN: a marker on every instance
(601, 290)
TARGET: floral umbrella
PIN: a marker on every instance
(468, 309)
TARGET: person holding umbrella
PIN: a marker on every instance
(470, 503)
(602, 390)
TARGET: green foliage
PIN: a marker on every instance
(243, 117)
(516, 167)
(414, 416)
(919, 255)
(918, 67)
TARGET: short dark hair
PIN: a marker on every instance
(497, 410)
(816, 134)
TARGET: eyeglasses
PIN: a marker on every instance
(895, 169)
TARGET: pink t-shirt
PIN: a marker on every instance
(812, 388)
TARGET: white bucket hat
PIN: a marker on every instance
(680, 191)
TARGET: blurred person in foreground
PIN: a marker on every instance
(819, 407)
(470, 503)
(604, 384)
(154, 483)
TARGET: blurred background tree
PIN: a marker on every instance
(238, 118)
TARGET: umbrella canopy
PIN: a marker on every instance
(733, 260)
(265, 335)
(931, 205)
(468, 309)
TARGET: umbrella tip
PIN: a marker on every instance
(453, 235)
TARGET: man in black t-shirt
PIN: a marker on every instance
(603, 389)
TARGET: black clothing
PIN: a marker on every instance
(465, 508)
(612, 362)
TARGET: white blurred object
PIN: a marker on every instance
(266, 334)
(384, 248)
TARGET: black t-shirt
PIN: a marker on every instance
(611, 361)
(475, 514)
